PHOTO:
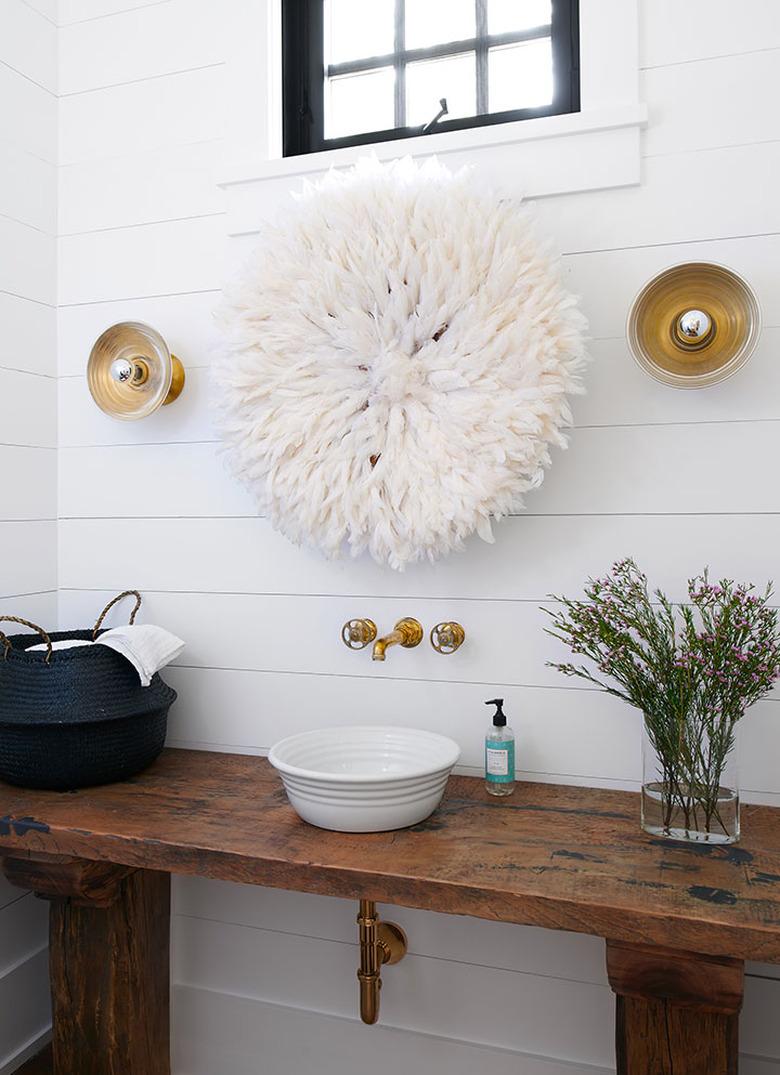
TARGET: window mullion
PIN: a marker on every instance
(483, 103)
(400, 63)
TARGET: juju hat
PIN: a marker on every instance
(398, 353)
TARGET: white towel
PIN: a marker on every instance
(64, 643)
(148, 648)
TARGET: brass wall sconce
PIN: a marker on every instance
(693, 325)
(381, 944)
(447, 637)
(131, 373)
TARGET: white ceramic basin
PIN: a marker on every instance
(365, 779)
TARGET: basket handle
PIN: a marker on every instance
(110, 605)
(6, 642)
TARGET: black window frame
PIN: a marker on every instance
(303, 74)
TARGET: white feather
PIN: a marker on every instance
(397, 358)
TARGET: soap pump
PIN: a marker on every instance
(499, 753)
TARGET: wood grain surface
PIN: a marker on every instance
(555, 856)
(110, 981)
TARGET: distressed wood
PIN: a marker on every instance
(90, 884)
(110, 981)
(554, 856)
(677, 1012)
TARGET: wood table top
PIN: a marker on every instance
(556, 856)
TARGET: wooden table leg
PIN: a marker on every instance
(677, 1012)
(109, 964)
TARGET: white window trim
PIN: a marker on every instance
(595, 148)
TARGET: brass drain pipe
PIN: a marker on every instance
(380, 943)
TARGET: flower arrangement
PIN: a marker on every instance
(692, 670)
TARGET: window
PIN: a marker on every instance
(361, 71)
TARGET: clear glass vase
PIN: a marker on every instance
(684, 800)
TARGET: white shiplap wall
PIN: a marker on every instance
(28, 435)
(265, 980)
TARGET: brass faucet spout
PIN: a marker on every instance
(407, 632)
(383, 644)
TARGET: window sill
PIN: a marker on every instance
(579, 151)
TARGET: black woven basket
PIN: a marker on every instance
(77, 717)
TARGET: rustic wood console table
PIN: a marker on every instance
(678, 919)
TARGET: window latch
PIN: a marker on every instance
(443, 111)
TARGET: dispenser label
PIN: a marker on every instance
(500, 761)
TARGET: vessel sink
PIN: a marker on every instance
(364, 779)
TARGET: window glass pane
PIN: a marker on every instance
(358, 103)
(453, 77)
(350, 34)
(506, 16)
(433, 22)
(520, 76)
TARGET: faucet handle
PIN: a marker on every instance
(357, 634)
(447, 637)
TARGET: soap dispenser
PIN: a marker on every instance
(499, 753)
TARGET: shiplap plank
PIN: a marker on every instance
(47, 9)
(40, 608)
(24, 1005)
(178, 255)
(83, 424)
(176, 110)
(250, 711)
(28, 43)
(178, 182)
(552, 953)
(31, 125)
(759, 1026)
(506, 641)
(552, 745)
(28, 409)
(29, 483)
(649, 469)
(303, 634)
(618, 393)
(24, 929)
(484, 1005)
(672, 33)
(666, 477)
(607, 281)
(28, 188)
(141, 43)
(186, 321)
(215, 1032)
(29, 337)
(71, 11)
(28, 557)
(31, 271)
(155, 480)
(676, 202)
(728, 101)
(532, 557)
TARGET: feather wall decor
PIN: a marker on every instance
(397, 359)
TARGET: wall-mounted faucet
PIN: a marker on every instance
(407, 632)
(445, 637)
